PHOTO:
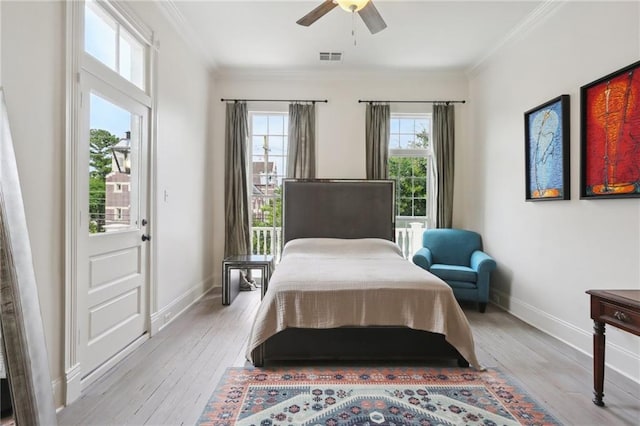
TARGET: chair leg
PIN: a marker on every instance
(482, 307)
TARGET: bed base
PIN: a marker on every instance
(356, 344)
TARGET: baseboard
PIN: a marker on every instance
(64, 396)
(57, 386)
(73, 389)
(618, 359)
(179, 305)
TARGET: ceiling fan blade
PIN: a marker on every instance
(316, 13)
(372, 18)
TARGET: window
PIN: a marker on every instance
(110, 43)
(409, 160)
(269, 136)
(110, 161)
(269, 162)
(115, 58)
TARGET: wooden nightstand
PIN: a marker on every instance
(249, 261)
(619, 308)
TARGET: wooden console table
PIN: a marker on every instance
(619, 308)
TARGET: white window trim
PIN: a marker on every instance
(251, 114)
(419, 152)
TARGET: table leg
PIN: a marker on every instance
(266, 274)
(225, 285)
(598, 362)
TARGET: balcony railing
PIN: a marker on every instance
(268, 240)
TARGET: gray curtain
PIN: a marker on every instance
(237, 239)
(443, 149)
(301, 155)
(377, 134)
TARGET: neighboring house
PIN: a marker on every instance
(118, 186)
(264, 185)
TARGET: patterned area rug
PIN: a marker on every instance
(370, 396)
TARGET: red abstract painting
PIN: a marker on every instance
(611, 135)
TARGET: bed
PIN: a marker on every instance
(342, 290)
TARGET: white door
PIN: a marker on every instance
(113, 245)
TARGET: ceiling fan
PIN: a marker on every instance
(365, 9)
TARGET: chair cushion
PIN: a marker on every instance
(451, 246)
(454, 272)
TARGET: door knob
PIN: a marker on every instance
(146, 237)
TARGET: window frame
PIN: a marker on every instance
(426, 153)
(90, 64)
(280, 174)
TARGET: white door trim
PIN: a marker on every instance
(73, 372)
(74, 34)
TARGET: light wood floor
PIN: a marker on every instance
(169, 379)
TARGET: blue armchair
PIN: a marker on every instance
(456, 256)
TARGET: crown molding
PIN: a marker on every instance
(533, 19)
(182, 27)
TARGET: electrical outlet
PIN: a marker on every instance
(496, 298)
(167, 317)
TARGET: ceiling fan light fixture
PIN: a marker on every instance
(352, 5)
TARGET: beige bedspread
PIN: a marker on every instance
(328, 283)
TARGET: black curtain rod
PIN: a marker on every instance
(414, 102)
(274, 100)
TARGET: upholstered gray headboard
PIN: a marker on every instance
(321, 208)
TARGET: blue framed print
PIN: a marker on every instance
(546, 138)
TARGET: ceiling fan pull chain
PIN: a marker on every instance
(353, 26)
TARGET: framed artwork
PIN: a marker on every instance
(546, 138)
(610, 135)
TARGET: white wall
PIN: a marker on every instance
(33, 76)
(340, 124)
(550, 253)
(184, 225)
(33, 81)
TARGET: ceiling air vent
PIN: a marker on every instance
(330, 56)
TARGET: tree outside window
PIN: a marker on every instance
(100, 165)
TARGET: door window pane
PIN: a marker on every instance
(114, 137)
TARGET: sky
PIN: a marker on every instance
(107, 116)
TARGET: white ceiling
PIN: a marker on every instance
(421, 34)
